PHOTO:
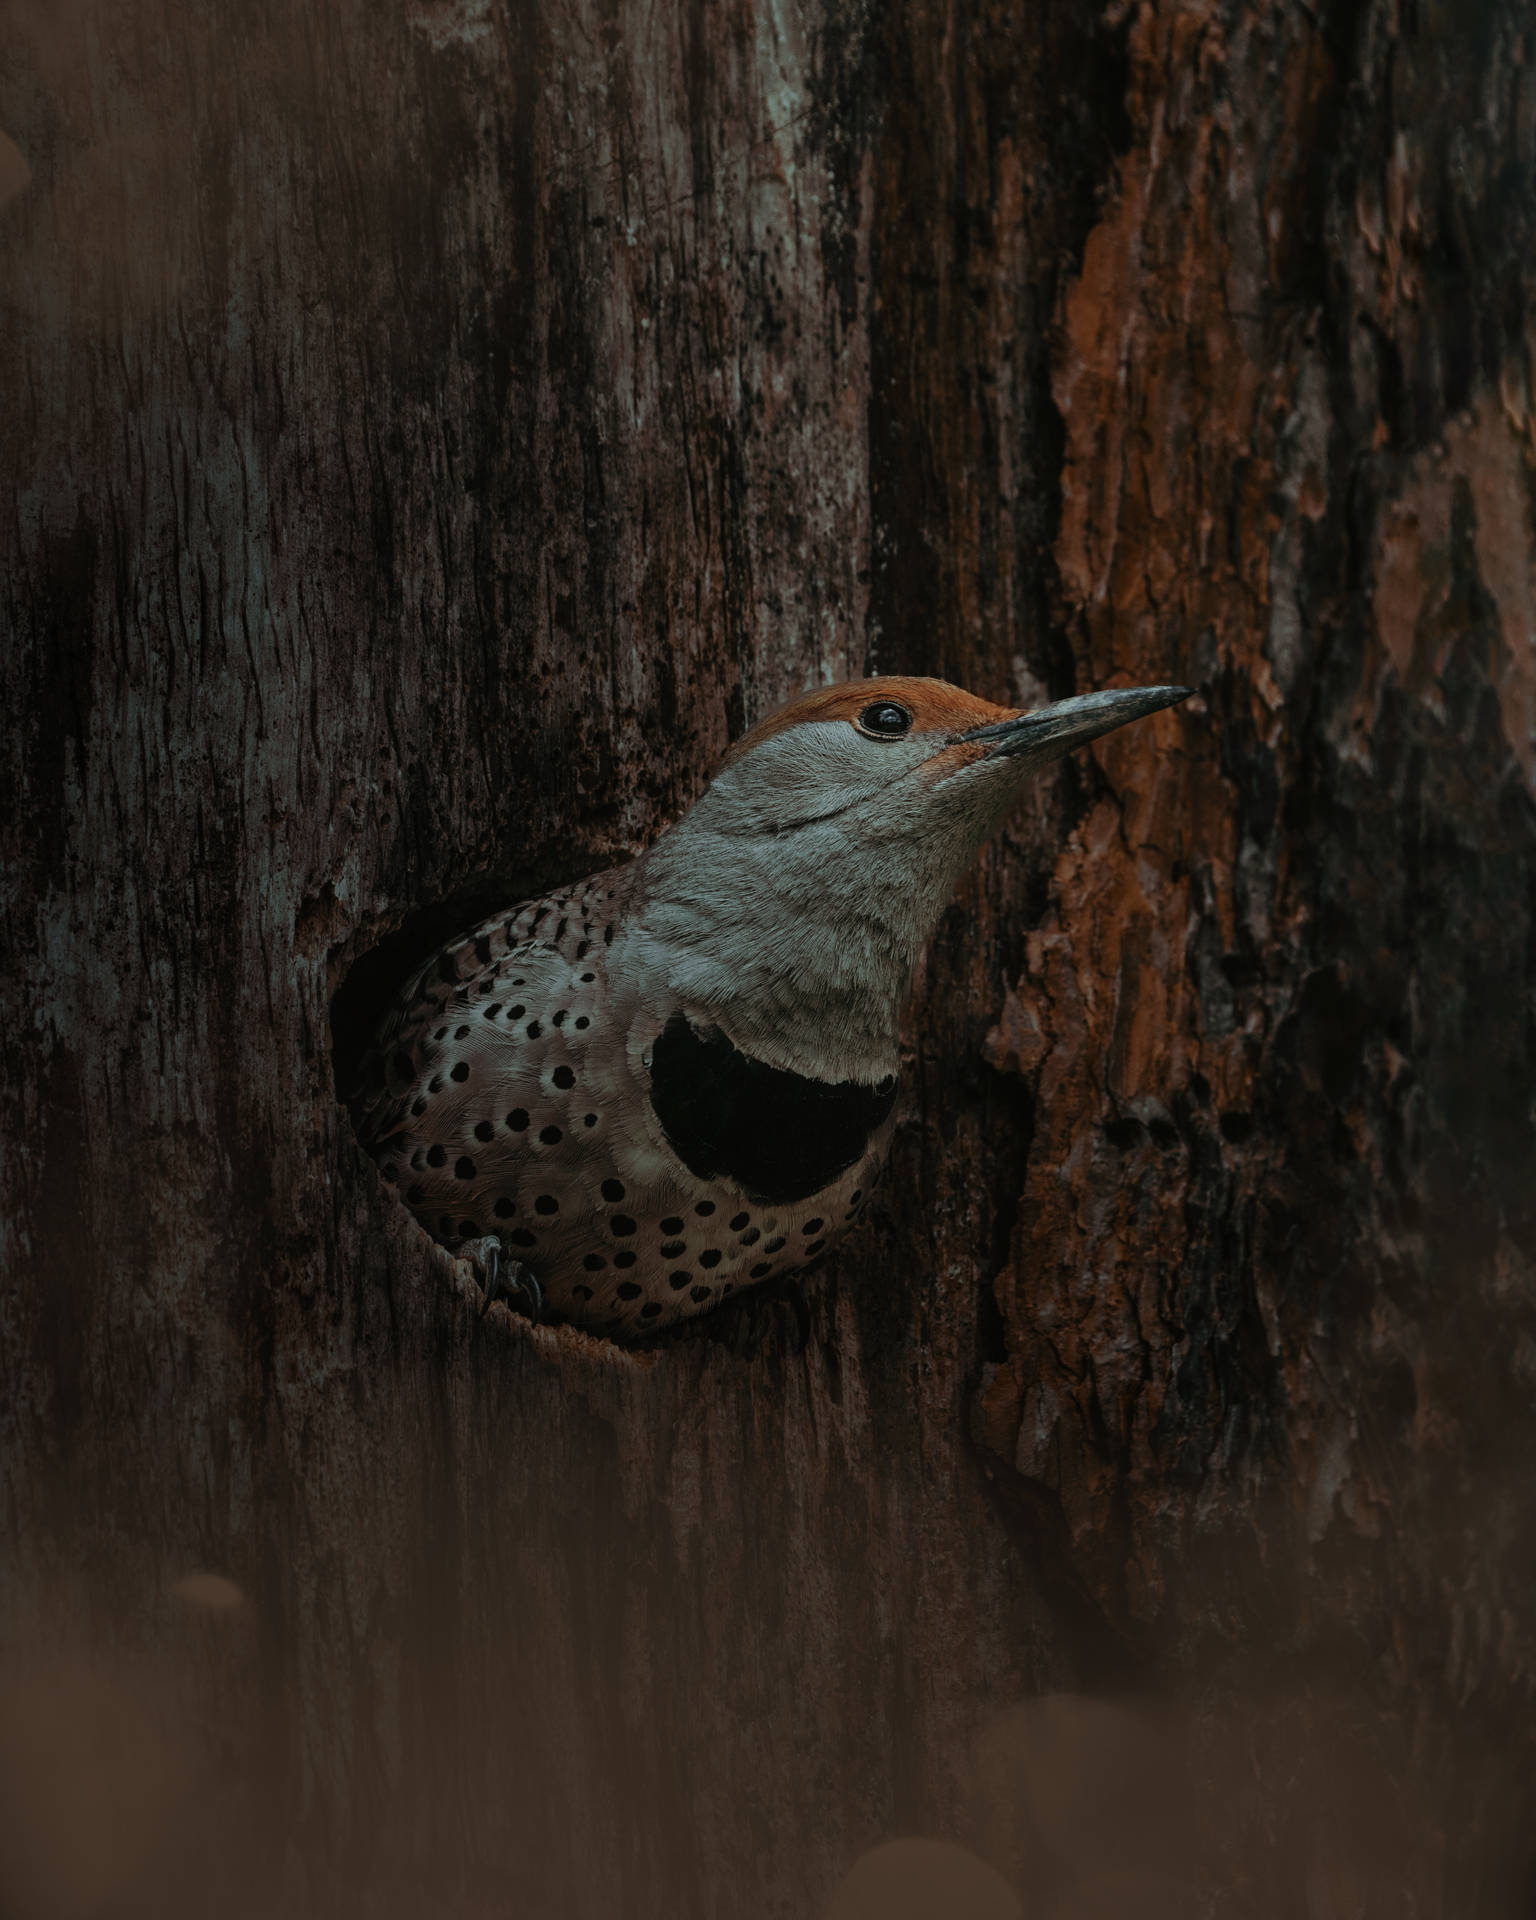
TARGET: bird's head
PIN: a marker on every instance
(897, 758)
(822, 854)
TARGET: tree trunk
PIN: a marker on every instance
(433, 432)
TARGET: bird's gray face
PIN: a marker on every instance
(819, 860)
(887, 761)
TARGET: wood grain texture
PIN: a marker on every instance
(434, 432)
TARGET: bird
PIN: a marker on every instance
(639, 1095)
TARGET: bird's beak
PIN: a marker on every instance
(1049, 732)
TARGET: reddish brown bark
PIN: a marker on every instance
(434, 435)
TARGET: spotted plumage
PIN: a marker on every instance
(512, 1095)
(675, 1080)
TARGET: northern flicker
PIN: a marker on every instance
(672, 1081)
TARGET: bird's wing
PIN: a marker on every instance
(397, 1064)
(492, 963)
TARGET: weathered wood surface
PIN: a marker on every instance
(431, 433)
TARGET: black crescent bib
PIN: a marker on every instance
(780, 1136)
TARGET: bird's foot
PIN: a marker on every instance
(503, 1278)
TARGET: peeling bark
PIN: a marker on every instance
(435, 432)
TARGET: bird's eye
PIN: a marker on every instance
(885, 720)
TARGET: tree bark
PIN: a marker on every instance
(433, 433)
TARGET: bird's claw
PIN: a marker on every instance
(503, 1278)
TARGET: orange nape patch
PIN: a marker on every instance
(935, 706)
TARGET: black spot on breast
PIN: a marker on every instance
(483, 950)
(461, 1071)
(778, 1135)
(628, 1291)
